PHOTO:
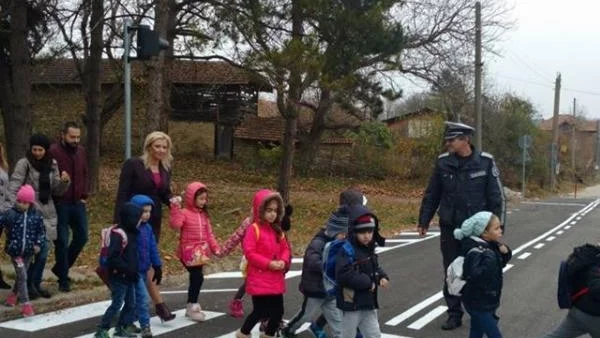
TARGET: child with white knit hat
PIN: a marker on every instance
(485, 257)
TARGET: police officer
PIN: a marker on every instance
(464, 182)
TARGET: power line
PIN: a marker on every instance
(573, 90)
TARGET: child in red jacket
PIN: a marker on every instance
(268, 255)
(197, 242)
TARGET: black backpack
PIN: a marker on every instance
(582, 258)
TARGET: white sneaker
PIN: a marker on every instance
(194, 312)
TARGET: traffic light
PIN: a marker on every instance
(149, 44)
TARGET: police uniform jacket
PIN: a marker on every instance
(460, 190)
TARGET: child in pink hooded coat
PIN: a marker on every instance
(268, 255)
(197, 242)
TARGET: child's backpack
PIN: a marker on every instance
(102, 269)
(244, 262)
(566, 293)
(454, 274)
(329, 254)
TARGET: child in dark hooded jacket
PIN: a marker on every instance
(359, 276)
(583, 267)
(123, 270)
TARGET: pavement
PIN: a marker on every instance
(541, 233)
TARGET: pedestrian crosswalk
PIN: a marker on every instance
(85, 317)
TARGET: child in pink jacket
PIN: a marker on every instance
(197, 242)
(268, 255)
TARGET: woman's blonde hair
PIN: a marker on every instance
(150, 139)
(3, 161)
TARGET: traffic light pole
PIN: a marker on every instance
(127, 84)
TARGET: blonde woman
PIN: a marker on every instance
(150, 175)
(5, 203)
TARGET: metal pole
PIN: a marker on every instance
(573, 134)
(554, 155)
(127, 84)
(478, 70)
(523, 174)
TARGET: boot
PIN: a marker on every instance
(32, 292)
(194, 312)
(163, 312)
(264, 335)
(4, 285)
(239, 334)
(146, 332)
(43, 292)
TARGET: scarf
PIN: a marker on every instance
(44, 167)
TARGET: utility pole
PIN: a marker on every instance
(478, 70)
(554, 150)
(573, 134)
(127, 85)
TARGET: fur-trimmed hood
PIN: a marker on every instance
(259, 203)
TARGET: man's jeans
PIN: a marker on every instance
(70, 216)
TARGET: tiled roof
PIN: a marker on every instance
(63, 71)
(587, 125)
(272, 129)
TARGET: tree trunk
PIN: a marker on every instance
(16, 85)
(312, 143)
(93, 92)
(291, 108)
(157, 110)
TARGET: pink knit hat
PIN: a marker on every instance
(26, 194)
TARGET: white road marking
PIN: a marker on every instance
(179, 322)
(395, 240)
(238, 274)
(299, 260)
(560, 232)
(547, 233)
(567, 227)
(573, 223)
(550, 239)
(413, 310)
(507, 267)
(56, 318)
(556, 204)
(177, 292)
(525, 255)
(539, 246)
(255, 331)
(579, 218)
(433, 314)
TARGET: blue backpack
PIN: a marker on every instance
(566, 293)
(329, 254)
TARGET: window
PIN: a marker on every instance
(419, 128)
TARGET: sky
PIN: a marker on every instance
(551, 36)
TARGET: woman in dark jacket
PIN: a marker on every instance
(150, 175)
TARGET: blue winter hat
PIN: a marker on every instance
(474, 225)
(142, 200)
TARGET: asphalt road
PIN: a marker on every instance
(540, 233)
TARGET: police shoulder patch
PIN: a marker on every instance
(444, 155)
(488, 155)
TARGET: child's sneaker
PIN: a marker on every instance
(11, 300)
(194, 312)
(133, 328)
(146, 332)
(121, 331)
(101, 333)
(27, 310)
(317, 331)
(236, 308)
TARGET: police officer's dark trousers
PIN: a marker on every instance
(450, 250)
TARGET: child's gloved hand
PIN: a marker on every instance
(503, 249)
(157, 274)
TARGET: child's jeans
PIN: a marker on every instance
(365, 320)
(137, 302)
(21, 264)
(119, 291)
(38, 263)
(576, 324)
(311, 307)
(483, 322)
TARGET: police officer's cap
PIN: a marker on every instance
(455, 129)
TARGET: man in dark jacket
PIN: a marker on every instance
(464, 182)
(311, 283)
(358, 276)
(583, 267)
(71, 207)
(123, 269)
